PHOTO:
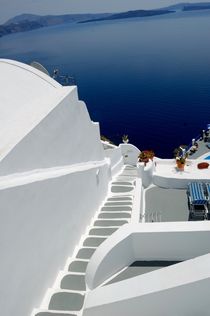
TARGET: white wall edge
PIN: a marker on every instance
(135, 215)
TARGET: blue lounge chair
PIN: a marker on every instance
(208, 194)
(197, 200)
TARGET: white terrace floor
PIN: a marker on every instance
(167, 175)
(166, 205)
(67, 297)
(191, 170)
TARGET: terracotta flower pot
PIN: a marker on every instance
(180, 165)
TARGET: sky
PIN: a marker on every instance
(11, 8)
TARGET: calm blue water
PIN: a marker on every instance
(149, 79)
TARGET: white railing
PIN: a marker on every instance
(152, 217)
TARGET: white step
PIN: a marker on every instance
(66, 301)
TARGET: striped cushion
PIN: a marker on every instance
(208, 189)
(196, 193)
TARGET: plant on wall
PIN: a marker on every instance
(146, 155)
(125, 139)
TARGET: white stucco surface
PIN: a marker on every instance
(166, 174)
(146, 172)
(27, 95)
(116, 159)
(181, 289)
(137, 202)
(130, 153)
(41, 222)
(53, 177)
(19, 179)
(43, 124)
(155, 241)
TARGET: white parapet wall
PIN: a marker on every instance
(116, 159)
(130, 153)
(166, 175)
(41, 223)
(146, 172)
(155, 241)
(180, 289)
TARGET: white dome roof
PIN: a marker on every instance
(26, 96)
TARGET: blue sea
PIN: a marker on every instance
(148, 78)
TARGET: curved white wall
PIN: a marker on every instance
(65, 136)
(130, 153)
(181, 289)
(41, 222)
(156, 241)
(113, 255)
(174, 290)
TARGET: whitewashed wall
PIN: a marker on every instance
(116, 159)
(146, 172)
(40, 225)
(65, 136)
(156, 241)
(181, 289)
(166, 174)
(130, 153)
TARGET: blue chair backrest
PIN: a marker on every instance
(208, 189)
(196, 192)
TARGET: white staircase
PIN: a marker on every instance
(67, 297)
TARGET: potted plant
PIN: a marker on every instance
(125, 139)
(180, 163)
(105, 139)
(146, 155)
(181, 160)
(181, 155)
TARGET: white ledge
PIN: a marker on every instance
(18, 179)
